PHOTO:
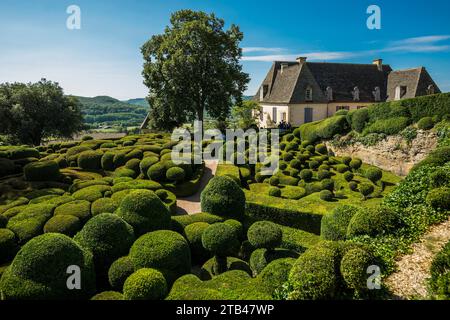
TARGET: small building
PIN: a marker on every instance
(300, 92)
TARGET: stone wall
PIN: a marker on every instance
(393, 154)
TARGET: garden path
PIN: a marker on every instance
(410, 281)
(191, 205)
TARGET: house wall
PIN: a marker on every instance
(268, 110)
(297, 113)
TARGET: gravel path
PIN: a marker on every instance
(191, 205)
(410, 281)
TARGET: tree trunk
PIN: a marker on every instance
(220, 265)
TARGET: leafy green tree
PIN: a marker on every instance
(193, 67)
(245, 114)
(36, 111)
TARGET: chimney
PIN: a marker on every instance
(301, 60)
(379, 64)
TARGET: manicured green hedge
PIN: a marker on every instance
(145, 284)
(324, 129)
(41, 171)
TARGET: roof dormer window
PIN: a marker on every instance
(262, 92)
(309, 94)
(400, 91)
(355, 94)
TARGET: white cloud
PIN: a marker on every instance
(421, 40)
(325, 55)
(261, 49)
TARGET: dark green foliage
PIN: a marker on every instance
(328, 184)
(30, 221)
(133, 164)
(164, 250)
(359, 119)
(348, 176)
(108, 296)
(341, 168)
(323, 174)
(230, 263)
(119, 271)
(439, 198)
(39, 270)
(313, 275)
(437, 157)
(275, 274)
(275, 192)
(144, 211)
(374, 174)
(425, 123)
(107, 161)
(334, 225)
(324, 129)
(354, 267)
(90, 160)
(321, 148)
(176, 174)
(91, 193)
(193, 233)
(41, 171)
(306, 174)
(64, 224)
(103, 205)
(6, 167)
(162, 194)
(296, 164)
(8, 245)
(223, 197)
(440, 178)
(157, 172)
(326, 195)
(220, 239)
(274, 181)
(353, 186)
(388, 126)
(264, 234)
(355, 164)
(260, 258)
(79, 208)
(366, 189)
(237, 226)
(146, 163)
(373, 222)
(440, 274)
(145, 284)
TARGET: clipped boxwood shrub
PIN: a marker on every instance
(425, 123)
(103, 205)
(78, 208)
(388, 126)
(275, 192)
(306, 174)
(355, 164)
(107, 161)
(437, 157)
(313, 275)
(321, 149)
(64, 224)
(164, 250)
(91, 193)
(366, 189)
(440, 274)
(146, 163)
(354, 267)
(359, 119)
(342, 168)
(232, 263)
(334, 225)
(133, 164)
(353, 185)
(327, 184)
(6, 167)
(8, 245)
(39, 270)
(324, 129)
(440, 178)
(176, 174)
(90, 160)
(373, 221)
(30, 221)
(374, 174)
(157, 172)
(41, 171)
(108, 296)
(275, 275)
(145, 284)
(348, 176)
(223, 197)
(274, 181)
(144, 211)
(193, 233)
(260, 258)
(326, 195)
(108, 237)
(265, 234)
(119, 271)
(439, 198)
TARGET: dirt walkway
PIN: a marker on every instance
(410, 281)
(191, 205)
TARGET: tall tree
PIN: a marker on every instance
(246, 114)
(35, 111)
(193, 67)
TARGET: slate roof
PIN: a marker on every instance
(289, 86)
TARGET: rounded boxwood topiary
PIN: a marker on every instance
(237, 226)
(220, 239)
(41, 171)
(440, 178)
(40, 270)
(314, 164)
(323, 174)
(108, 295)
(275, 192)
(313, 275)
(260, 258)
(439, 198)
(119, 271)
(274, 181)
(147, 162)
(162, 194)
(107, 161)
(3, 221)
(223, 197)
(346, 160)
(425, 123)
(306, 174)
(374, 174)
(321, 149)
(103, 205)
(355, 164)
(144, 211)
(373, 222)
(327, 184)
(295, 163)
(326, 195)
(64, 224)
(145, 284)
(348, 176)
(276, 274)
(133, 164)
(354, 266)
(164, 250)
(334, 225)
(232, 263)
(366, 189)
(6, 167)
(90, 160)
(78, 208)
(353, 185)
(8, 245)
(176, 174)
(157, 172)
(265, 234)
(108, 237)
(193, 233)
(341, 168)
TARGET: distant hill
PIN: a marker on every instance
(105, 111)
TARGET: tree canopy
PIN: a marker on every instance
(245, 114)
(193, 67)
(32, 112)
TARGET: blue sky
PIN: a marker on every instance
(103, 58)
